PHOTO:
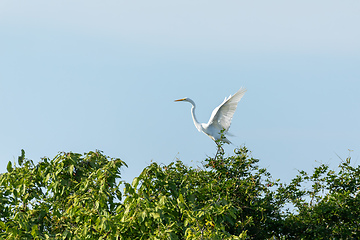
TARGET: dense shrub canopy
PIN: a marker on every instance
(81, 196)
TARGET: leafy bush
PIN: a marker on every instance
(225, 198)
(330, 209)
(75, 196)
(69, 197)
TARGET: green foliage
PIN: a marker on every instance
(63, 198)
(240, 180)
(75, 196)
(330, 209)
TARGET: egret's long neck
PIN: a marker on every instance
(196, 123)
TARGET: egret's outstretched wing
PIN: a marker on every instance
(222, 115)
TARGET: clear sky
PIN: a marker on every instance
(85, 75)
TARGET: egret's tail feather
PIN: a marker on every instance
(230, 134)
(225, 140)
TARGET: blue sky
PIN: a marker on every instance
(85, 75)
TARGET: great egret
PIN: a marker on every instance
(221, 116)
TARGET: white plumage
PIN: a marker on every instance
(220, 118)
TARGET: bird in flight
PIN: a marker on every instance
(221, 116)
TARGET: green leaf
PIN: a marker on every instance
(181, 198)
(143, 216)
(135, 182)
(47, 177)
(71, 169)
(21, 157)
(9, 167)
(155, 215)
(186, 222)
(162, 200)
(65, 234)
(34, 230)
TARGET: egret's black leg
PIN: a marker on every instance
(217, 151)
(219, 148)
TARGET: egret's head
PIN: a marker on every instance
(182, 99)
(186, 100)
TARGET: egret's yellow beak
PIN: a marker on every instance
(182, 99)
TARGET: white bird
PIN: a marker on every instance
(221, 116)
